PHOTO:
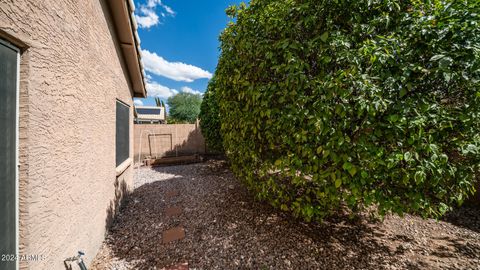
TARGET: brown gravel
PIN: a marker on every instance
(226, 228)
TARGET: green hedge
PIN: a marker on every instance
(210, 119)
(324, 103)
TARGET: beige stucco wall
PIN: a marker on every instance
(167, 140)
(71, 76)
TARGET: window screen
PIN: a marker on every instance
(148, 111)
(8, 157)
(122, 134)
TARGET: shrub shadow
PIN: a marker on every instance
(227, 228)
(194, 144)
(466, 216)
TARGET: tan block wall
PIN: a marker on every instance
(71, 75)
(167, 140)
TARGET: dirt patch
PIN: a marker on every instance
(225, 228)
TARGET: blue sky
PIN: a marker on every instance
(179, 40)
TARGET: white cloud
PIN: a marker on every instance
(155, 89)
(169, 10)
(147, 14)
(187, 89)
(148, 77)
(152, 3)
(138, 102)
(173, 70)
(147, 19)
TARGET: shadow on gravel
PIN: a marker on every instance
(466, 216)
(227, 229)
(455, 247)
(121, 192)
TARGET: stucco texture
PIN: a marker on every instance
(72, 73)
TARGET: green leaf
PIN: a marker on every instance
(407, 156)
(324, 37)
(393, 118)
(419, 177)
(445, 62)
(447, 76)
(338, 182)
(278, 162)
(352, 171)
(347, 166)
(437, 57)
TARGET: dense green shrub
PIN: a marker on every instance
(324, 103)
(210, 119)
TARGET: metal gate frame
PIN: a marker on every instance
(156, 135)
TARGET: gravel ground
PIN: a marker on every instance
(227, 229)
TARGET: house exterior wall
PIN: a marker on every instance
(167, 140)
(71, 74)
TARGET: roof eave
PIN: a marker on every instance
(122, 15)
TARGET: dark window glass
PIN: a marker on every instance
(122, 134)
(148, 111)
(8, 158)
